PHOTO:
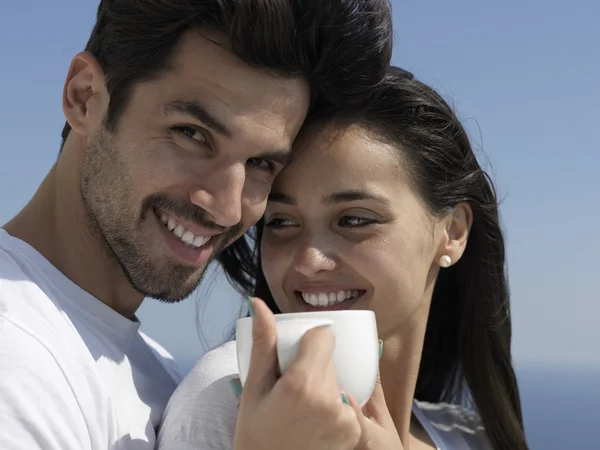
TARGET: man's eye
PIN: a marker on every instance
(192, 133)
(262, 164)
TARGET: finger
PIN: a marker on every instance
(356, 407)
(236, 388)
(365, 423)
(350, 413)
(314, 353)
(376, 408)
(330, 385)
(330, 378)
(262, 373)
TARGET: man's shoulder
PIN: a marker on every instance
(31, 354)
(11, 272)
(40, 400)
(41, 353)
(22, 347)
(16, 285)
(15, 296)
(24, 304)
(49, 389)
(11, 261)
(29, 369)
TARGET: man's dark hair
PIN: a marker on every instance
(342, 47)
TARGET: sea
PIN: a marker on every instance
(561, 406)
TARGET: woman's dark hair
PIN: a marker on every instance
(468, 335)
(342, 47)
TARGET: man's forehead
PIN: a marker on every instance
(204, 61)
(208, 82)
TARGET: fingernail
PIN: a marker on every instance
(250, 306)
(345, 399)
(236, 386)
(380, 348)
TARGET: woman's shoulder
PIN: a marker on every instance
(203, 409)
(215, 364)
(452, 426)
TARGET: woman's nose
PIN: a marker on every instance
(311, 260)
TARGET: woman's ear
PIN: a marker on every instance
(456, 234)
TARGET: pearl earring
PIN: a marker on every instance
(445, 261)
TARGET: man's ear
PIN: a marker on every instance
(85, 97)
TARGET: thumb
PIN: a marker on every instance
(262, 373)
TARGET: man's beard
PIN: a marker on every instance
(115, 225)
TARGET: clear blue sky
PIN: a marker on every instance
(522, 75)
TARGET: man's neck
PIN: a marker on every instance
(54, 223)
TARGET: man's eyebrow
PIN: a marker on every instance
(283, 156)
(194, 109)
(352, 196)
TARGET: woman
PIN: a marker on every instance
(384, 209)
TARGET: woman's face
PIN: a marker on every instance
(345, 229)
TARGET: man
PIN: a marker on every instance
(179, 115)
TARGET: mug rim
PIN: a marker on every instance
(315, 314)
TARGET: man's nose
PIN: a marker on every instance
(220, 194)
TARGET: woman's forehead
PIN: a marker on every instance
(333, 160)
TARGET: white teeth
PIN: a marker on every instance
(325, 299)
(186, 236)
(178, 231)
(199, 241)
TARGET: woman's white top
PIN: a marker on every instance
(203, 410)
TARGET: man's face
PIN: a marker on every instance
(190, 164)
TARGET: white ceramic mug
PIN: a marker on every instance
(355, 356)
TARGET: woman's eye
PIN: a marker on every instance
(277, 224)
(192, 133)
(262, 164)
(354, 221)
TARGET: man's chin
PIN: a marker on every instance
(165, 288)
(168, 300)
(168, 295)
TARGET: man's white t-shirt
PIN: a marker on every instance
(202, 412)
(74, 374)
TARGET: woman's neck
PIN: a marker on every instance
(399, 369)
